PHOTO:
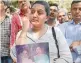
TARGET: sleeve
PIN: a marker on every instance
(13, 52)
(64, 51)
(14, 29)
(13, 48)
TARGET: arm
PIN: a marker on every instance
(14, 29)
(65, 54)
(20, 39)
(75, 44)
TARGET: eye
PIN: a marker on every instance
(20, 2)
(80, 9)
(40, 12)
(74, 9)
(32, 11)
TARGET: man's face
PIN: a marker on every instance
(23, 4)
(53, 11)
(61, 17)
(76, 11)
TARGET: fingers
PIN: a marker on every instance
(26, 24)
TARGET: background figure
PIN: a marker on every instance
(10, 10)
(72, 30)
(69, 16)
(62, 15)
(5, 33)
(18, 17)
(52, 19)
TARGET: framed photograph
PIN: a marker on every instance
(33, 53)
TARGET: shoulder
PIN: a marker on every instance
(15, 15)
(57, 30)
(65, 24)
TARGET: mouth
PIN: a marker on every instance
(34, 20)
(52, 15)
(78, 16)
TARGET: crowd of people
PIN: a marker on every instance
(40, 22)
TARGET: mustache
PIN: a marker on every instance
(51, 14)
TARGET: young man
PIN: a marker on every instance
(5, 34)
(72, 31)
(52, 19)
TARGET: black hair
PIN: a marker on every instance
(46, 5)
(75, 1)
(54, 4)
(12, 9)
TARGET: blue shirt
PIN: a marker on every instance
(72, 32)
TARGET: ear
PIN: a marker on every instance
(47, 18)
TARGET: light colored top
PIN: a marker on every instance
(72, 32)
(65, 54)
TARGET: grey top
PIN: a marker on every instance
(65, 54)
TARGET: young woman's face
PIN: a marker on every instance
(38, 15)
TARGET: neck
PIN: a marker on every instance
(51, 22)
(38, 29)
(23, 13)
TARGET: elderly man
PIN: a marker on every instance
(18, 17)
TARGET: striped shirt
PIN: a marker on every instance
(5, 36)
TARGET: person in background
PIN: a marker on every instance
(10, 10)
(72, 30)
(62, 16)
(69, 16)
(5, 34)
(18, 17)
(42, 33)
(52, 19)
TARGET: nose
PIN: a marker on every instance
(35, 14)
(77, 11)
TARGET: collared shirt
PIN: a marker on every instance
(72, 32)
(15, 27)
(5, 36)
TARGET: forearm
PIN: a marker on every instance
(13, 53)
